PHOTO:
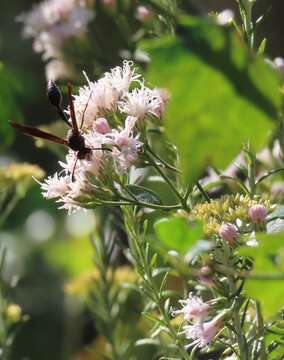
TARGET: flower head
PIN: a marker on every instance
(101, 126)
(163, 96)
(140, 102)
(69, 204)
(102, 96)
(228, 232)
(51, 22)
(258, 214)
(55, 186)
(202, 333)
(193, 308)
(121, 77)
(92, 100)
(126, 144)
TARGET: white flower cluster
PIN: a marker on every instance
(109, 120)
(201, 332)
(51, 22)
(112, 93)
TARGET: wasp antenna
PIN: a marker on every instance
(74, 168)
(72, 110)
(86, 106)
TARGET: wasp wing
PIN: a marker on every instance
(33, 131)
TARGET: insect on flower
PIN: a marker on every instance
(74, 140)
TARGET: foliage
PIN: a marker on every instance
(186, 181)
(213, 67)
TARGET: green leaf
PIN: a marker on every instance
(268, 255)
(269, 266)
(147, 341)
(8, 106)
(145, 195)
(221, 94)
(177, 234)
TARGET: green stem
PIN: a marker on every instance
(9, 208)
(203, 192)
(105, 284)
(272, 172)
(260, 331)
(162, 161)
(139, 252)
(251, 177)
(237, 321)
(246, 14)
(129, 202)
(168, 181)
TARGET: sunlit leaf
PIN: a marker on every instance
(218, 100)
(267, 282)
(177, 234)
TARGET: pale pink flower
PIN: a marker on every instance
(71, 159)
(97, 141)
(258, 214)
(228, 232)
(121, 77)
(69, 204)
(53, 21)
(94, 99)
(57, 16)
(101, 126)
(78, 187)
(55, 186)
(85, 104)
(140, 102)
(202, 333)
(162, 96)
(126, 145)
(94, 163)
(193, 308)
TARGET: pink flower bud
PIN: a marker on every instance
(205, 271)
(228, 232)
(163, 96)
(101, 126)
(143, 14)
(257, 214)
(205, 276)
